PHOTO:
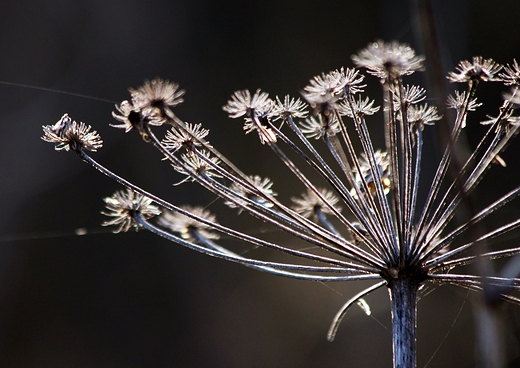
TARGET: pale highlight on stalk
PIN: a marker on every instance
(364, 219)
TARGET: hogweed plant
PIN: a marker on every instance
(362, 219)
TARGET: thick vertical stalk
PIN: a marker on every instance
(403, 296)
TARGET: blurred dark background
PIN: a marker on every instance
(134, 300)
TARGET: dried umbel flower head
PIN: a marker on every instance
(290, 107)
(458, 102)
(422, 115)
(189, 228)
(385, 60)
(127, 115)
(70, 135)
(124, 205)
(188, 137)
(511, 74)
(359, 107)
(150, 104)
(260, 192)
(155, 99)
(312, 204)
(361, 216)
(325, 87)
(257, 109)
(411, 95)
(479, 69)
(324, 92)
(243, 104)
(317, 128)
(197, 163)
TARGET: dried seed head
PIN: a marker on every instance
(122, 207)
(155, 98)
(511, 74)
(197, 164)
(191, 136)
(396, 239)
(353, 80)
(243, 104)
(422, 115)
(257, 110)
(506, 121)
(187, 227)
(262, 189)
(323, 87)
(289, 108)
(411, 95)
(388, 60)
(150, 104)
(313, 128)
(127, 115)
(458, 100)
(479, 70)
(361, 107)
(309, 203)
(70, 135)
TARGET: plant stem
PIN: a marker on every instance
(403, 296)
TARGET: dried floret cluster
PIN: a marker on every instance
(364, 220)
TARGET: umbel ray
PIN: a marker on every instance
(363, 219)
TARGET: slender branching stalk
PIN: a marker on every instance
(363, 218)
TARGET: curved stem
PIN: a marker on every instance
(341, 313)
